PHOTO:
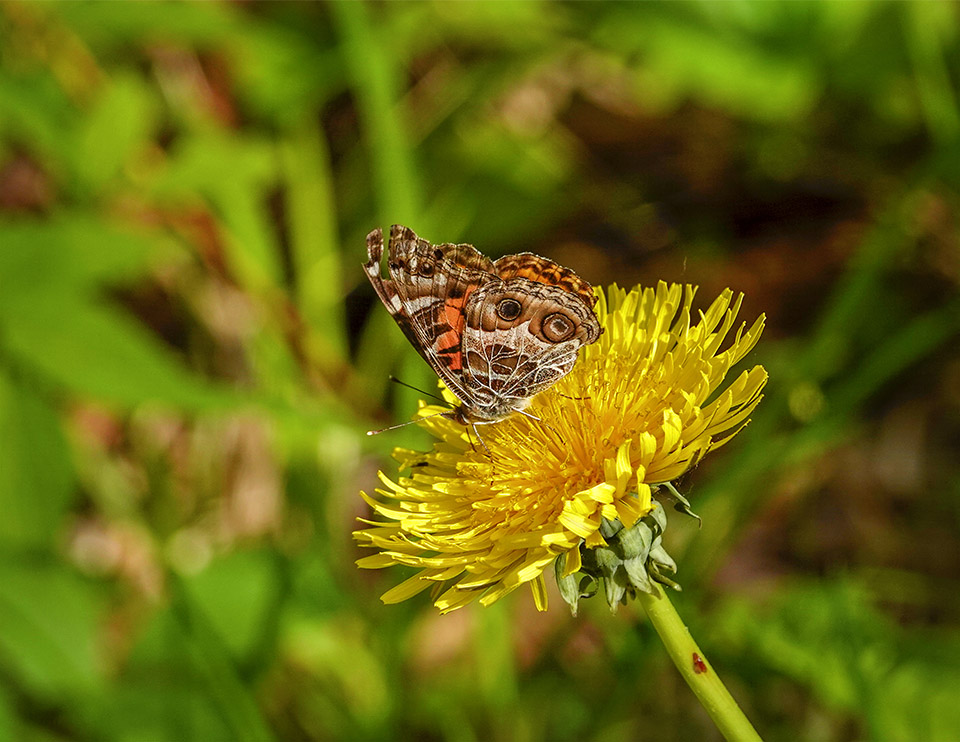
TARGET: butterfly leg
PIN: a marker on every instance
(493, 463)
(479, 438)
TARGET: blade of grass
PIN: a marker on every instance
(216, 671)
(314, 244)
(844, 310)
(377, 82)
(926, 25)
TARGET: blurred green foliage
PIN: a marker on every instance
(189, 356)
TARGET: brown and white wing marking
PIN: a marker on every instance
(542, 270)
(427, 292)
(523, 333)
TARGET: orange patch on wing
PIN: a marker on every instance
(453, 315)
(453, 312)
(450, 340)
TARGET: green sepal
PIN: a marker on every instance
(569, 586)
(680, 503)
(631, 560)
(574, 586)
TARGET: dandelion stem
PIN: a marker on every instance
(692, 664)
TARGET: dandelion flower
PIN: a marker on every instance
(642, 405)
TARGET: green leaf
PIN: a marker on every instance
(217, 673)
(158, 705)
(50, 324)
(284, 73)
(99, 352)
(49, 622)
(235, 594)
(236, 174)
(711, 62)
(9, 725)
(68, 253)
(830, 637)
(119, 123)
(160, 695)
(36, 112)
(183, 681)
(36, 477)
(110, 28)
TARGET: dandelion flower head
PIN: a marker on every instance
(641, 406)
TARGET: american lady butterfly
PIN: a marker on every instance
(495, 332)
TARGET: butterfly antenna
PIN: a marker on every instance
(403, 425)
(395, 380)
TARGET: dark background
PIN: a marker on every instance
(190, 354)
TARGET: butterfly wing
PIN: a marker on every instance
(523, 331)
(427, 292)
(545, 271)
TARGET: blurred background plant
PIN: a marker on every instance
(190, 353)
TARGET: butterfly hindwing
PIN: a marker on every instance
(523, 336)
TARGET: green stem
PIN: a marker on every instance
(698, 673)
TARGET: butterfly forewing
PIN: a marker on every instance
(431, 285)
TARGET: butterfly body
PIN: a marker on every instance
(495, 332)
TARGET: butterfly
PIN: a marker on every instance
(495, 332)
